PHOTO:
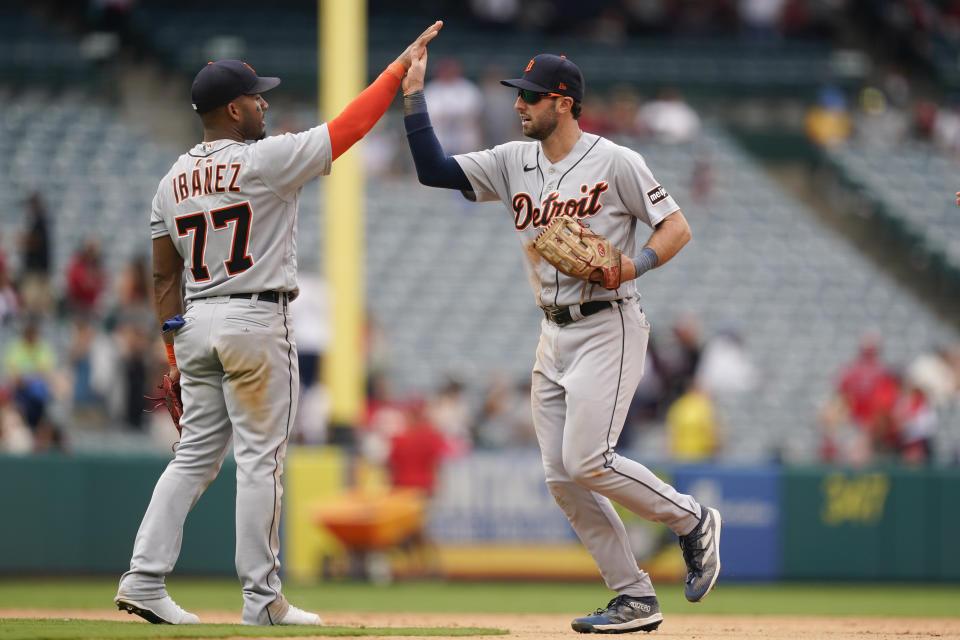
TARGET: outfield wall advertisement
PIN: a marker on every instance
(749, 501)
(79, 514)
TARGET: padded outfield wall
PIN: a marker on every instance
(79, 514)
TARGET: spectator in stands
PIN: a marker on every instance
(859, 380)
(450, 412)
(761, 18)
(677, 360)
(29, 363)
(15, 437)
(383, 418)
(724, 367)
(857, 422)
(416, 450)
(455, 106)
(693, 431)
(85, 279)
(649, 402)
(133, 343)
(498, 14)
(669, 119)
(828, 122)
(416, 453)
(85, 398)
(34, 282)
(933, 374)
(915, 424)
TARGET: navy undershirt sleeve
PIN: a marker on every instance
(434, 167)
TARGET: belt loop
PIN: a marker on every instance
(253, 299)
(575, 312)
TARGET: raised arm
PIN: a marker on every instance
(434, 167)
(363, 112)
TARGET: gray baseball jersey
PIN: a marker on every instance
(606, 186)
(231, 208)
(587, 371)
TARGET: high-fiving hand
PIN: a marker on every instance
(418, 47)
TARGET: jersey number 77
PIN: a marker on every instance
(196, 223)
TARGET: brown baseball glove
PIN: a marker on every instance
(579, 252)
(169, 398)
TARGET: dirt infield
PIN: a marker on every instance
(553, 627)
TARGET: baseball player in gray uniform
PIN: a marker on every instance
(224, 223)
(593, 340)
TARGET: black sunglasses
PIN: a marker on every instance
(533, 97)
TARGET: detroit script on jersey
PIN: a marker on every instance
(526, 213)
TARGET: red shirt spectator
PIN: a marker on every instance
(415, 455)
(859, 381)
(85, 278)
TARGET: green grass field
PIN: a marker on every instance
(30, 629)
(875, 599)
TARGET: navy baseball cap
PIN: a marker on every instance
(220, 82)
(548, 73)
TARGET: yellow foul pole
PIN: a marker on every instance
(343, 70)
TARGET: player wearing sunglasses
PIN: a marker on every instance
(592, 344)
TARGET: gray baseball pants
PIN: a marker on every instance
(584, 378)
(239, 380)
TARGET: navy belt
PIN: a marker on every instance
(561, 315)
(265, 296)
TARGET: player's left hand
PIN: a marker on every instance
(627, 271)
(415, 77)
(419, 46)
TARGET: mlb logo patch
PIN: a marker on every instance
(657, 194)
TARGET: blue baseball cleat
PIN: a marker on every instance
(623, 614)
(701, 552)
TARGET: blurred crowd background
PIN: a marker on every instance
(813, 145)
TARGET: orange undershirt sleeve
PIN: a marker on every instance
(363, 112)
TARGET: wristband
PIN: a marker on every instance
(415, 102)
(171, 358)
(647, 260)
